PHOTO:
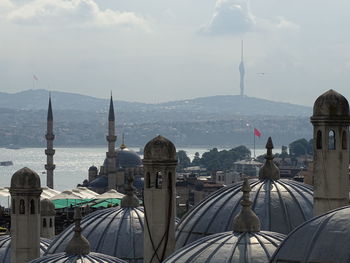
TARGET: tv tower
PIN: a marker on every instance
(241, 72)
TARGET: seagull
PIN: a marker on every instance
(262, 73)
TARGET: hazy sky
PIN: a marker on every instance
(160, 50)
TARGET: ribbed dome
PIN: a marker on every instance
(281, 205)
(90, 258)
(230, 247)
(324, 238)
(125, 158)
(159, 149)
(113, 231)
(25, 178)
(5, 249)
(331, 104)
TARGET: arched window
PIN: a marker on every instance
(148, 180)
(319, 140)
(32, 207)
(22, 209)
(331, 140)
(50, 222)
(159, 180)
(344, 141)
(13, 206)
(44, 222)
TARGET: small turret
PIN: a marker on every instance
(47, 213)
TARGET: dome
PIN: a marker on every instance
(90, 258)
(113, 231)
(5, 252)
(281, 206)
(230, 247)
(93, 168)
(47, 208)
(25, 178)
(125, 158)
(324, 238)
(160, 149)
(99, 182)
(331, 103)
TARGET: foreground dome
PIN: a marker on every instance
(90, 258)
(324, 238)
(331, 103)
(5, 249)
(113, 231)
(281, 206)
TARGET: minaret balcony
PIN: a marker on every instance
(49, 151)
(50, 167)
(111, 138)
(50, 136)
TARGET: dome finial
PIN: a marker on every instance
(130, 199)
(78, 245)
(123, 146)
(246, 220)
(269, 170)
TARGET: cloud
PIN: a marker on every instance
(5, 5)
(74, 13)
(233, 17)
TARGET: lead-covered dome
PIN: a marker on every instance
(331, 104)
(90, 258)
(229, 247)
(281, 206)
(25, 178)
(160, 148)
(113, 231)
(5, 248)
(324, 238)
(125, 158)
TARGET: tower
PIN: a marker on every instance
(331, 119)
(49, 149)
(111, 155)
(25, 193)
(47, 213)
(159, 199)
(241, 72)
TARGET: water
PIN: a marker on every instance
(72, 164)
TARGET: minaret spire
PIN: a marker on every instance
(111, 139)
(49, 149)
(241, 72)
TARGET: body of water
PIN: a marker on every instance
(72, 164)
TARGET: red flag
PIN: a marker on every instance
(257, 132)
(34, 77)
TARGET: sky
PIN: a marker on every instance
(162, 50)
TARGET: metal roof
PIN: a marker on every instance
(90, 258)
(229, 247)
(5, 249)
(113, 231)
(324, 238)
(281, 206)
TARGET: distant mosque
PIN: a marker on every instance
(260, 220)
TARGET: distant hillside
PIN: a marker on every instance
(216, 107)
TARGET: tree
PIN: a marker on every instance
(183, 160)
(298, 147)
(196, 160)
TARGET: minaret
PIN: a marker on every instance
(159, 199)
(241, 72)
(25, 193)
(49, 149)
(111, 155)
(331, 119)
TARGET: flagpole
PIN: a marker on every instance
(254, 143)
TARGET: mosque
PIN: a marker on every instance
(268, 219)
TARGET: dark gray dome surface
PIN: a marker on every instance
(230, 247)
(323, 239)
(5, 248)
(281, 206)
(113, 231)
(66, 258)
(331, 104)
(125, 158)
(99, 182)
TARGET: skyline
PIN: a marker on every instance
(168, 51)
